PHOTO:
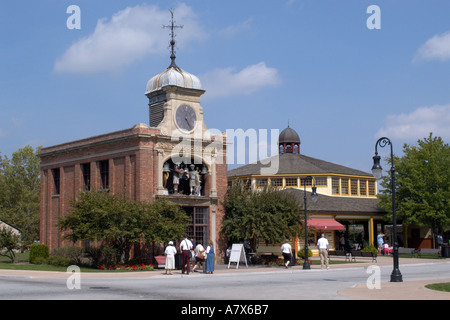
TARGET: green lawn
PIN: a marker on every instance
(439, 286)
(41, 267)
(23, 264)
(422, 256)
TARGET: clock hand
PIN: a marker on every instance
(187, 121)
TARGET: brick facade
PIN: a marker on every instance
(128, 162)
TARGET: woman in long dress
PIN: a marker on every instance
(210, 257)
(170, 257)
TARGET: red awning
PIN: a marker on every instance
(325, 225)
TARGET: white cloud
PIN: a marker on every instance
(435, 48)
(234, 29)
(225, 82)
(130, 35)
(418, 124)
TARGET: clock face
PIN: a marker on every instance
(185, 118)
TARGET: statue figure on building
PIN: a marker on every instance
(194, 181)
(176, 178)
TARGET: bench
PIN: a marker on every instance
(428, 251)
(410, 251)
(362, 254)
(339, 253)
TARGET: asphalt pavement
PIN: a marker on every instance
(406, 290)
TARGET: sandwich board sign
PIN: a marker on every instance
(237, 255)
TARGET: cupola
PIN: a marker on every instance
(289, 141)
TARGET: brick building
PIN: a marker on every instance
(145, 162)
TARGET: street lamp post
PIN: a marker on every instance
(396, 275)
(306, 265)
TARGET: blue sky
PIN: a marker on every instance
(313, 63)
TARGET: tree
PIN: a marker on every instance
(268, 214)
(9, 242)
(166, 221)
(422, 184)
(120, 222)
(20, 192)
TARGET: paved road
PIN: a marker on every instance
(340, 282)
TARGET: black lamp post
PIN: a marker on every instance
(396, 275)
(306, 265)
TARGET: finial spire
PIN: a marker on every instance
(172, 27)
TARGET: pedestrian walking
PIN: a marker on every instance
(170, 253)
(286, 250)
(199, 257)
(323, 251)
(185, 247)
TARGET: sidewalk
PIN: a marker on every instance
(406, 290)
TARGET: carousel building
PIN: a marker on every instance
(346, 203)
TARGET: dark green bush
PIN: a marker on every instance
(370, 249)
(58, 261)
(39, 260)
(38, 251)
(72, 253)
(102, 255)
(301, 253)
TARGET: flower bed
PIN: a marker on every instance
(127, 267)
(302, 261)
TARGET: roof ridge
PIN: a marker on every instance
(290, 163)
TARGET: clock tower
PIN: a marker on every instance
(174, 98)
(191, 166)
(174, 102)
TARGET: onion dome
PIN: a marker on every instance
(173, 76)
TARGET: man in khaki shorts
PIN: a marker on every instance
(323, 251)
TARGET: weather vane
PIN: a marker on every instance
(172, 27)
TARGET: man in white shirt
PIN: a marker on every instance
(185, 248)
(323, 251)
(286, 250)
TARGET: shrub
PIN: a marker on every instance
(38, 251)
(370, 249)
(72, 253)
(58, 261)
(301, 253)
(102, 255)
(39, 260)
